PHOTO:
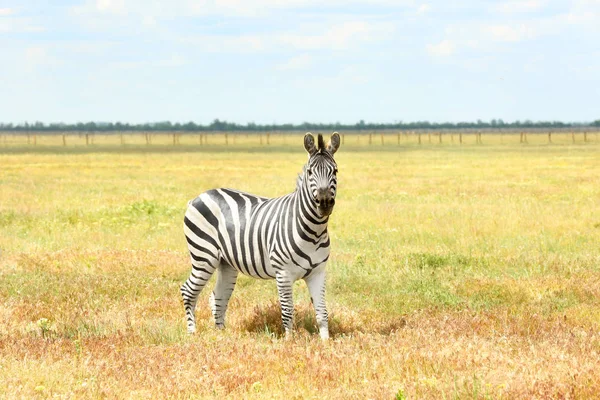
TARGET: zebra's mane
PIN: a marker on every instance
(300, 177)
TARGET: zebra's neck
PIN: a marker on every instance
(306, 213)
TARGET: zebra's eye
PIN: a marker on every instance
(309, 171)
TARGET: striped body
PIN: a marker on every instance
(256, 236)
(283, 238)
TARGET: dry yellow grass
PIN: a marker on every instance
(456, 272)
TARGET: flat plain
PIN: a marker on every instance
(457, 271)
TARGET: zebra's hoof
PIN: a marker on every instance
(191, 330)
(324, 333)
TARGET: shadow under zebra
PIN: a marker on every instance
(266, 319)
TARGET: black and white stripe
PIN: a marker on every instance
(283, 238)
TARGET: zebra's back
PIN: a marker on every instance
(233, 227)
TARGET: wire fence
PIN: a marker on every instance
(352, 138)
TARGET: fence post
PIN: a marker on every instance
(64, 139)
(87, 139)
(460, 137)
(343, 136)
(419, 134)
(585, 137)
(549, 137)
(573, 136)
(268, 137)
(122, 141)
(382, 139)
(370, 137)
(440, 137)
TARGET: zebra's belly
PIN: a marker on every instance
(252, 268)
(294, 265)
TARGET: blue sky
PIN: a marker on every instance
(277, 61)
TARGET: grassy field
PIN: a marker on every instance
(456, 272)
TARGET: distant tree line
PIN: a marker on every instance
(218, 125)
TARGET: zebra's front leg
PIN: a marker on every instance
(316, 287)
(221, 294)
(286, 301)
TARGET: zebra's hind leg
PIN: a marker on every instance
(221, 294)
(202, 270)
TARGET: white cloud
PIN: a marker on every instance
(583, 13)
(228, 43)
(148, 20)
(4, 12)
(341, 36)
(175, 60)
(38, 56)
(35, 54)
(111, 6)
(487, 37)
(261, 7)
(303, 61)
(444, 48)
(509, 33)
(334, 31)
(354, 75)
(240, 8)
(19, 24)
(521, 6)
(424, 8)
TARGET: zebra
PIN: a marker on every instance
(283, 238)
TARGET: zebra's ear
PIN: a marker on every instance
(309, 143)
(334, 143)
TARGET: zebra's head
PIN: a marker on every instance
(321, 172)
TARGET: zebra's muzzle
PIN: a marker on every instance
(325, 206)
